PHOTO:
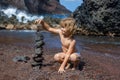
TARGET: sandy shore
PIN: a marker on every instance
(99, 62)
(92, 66)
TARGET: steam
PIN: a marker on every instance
(22, 16)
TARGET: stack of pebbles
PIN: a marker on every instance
(38, 58)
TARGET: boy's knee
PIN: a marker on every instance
(57, 57)
(75, 57)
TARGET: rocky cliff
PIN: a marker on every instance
(99, 17)
(36, 6)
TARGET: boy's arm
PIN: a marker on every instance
(47, 26)
(67, 55)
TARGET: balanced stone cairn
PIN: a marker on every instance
(38, 58)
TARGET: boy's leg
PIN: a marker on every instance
(67, 66)
(75, 59)
(59, 57)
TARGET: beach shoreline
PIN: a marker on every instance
(99, 61)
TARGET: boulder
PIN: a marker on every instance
(2, 26)
(33, 27)
(10, 27)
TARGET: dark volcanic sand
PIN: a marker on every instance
(100, 61)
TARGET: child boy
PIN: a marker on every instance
(69, 54)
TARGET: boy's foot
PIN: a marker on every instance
(75, 66)
(68, 66)
(73, 69)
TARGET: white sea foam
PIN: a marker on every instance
(22, 16)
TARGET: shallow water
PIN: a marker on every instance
(107, 46)
(23, 38)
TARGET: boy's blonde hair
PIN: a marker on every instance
(69, 24)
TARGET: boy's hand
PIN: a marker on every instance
(61, 70)
(38, 21)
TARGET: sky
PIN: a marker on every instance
(71, 4)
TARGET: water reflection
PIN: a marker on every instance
(100, 40)
(103, 45)
(17, 37)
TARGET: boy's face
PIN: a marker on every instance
(65, 31)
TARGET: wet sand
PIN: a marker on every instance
(100, 60)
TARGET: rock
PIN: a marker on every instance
(35, 64)
(2, 26)
(39, 44)
(39, 27)
(38, 58)
(38, 37)
(15, 3)
(10, 26)
(99, 16)
(19, 27)
(33, 27)
(36, 6)
(21, 59)
(38, 51)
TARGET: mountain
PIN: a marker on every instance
(36, 6)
